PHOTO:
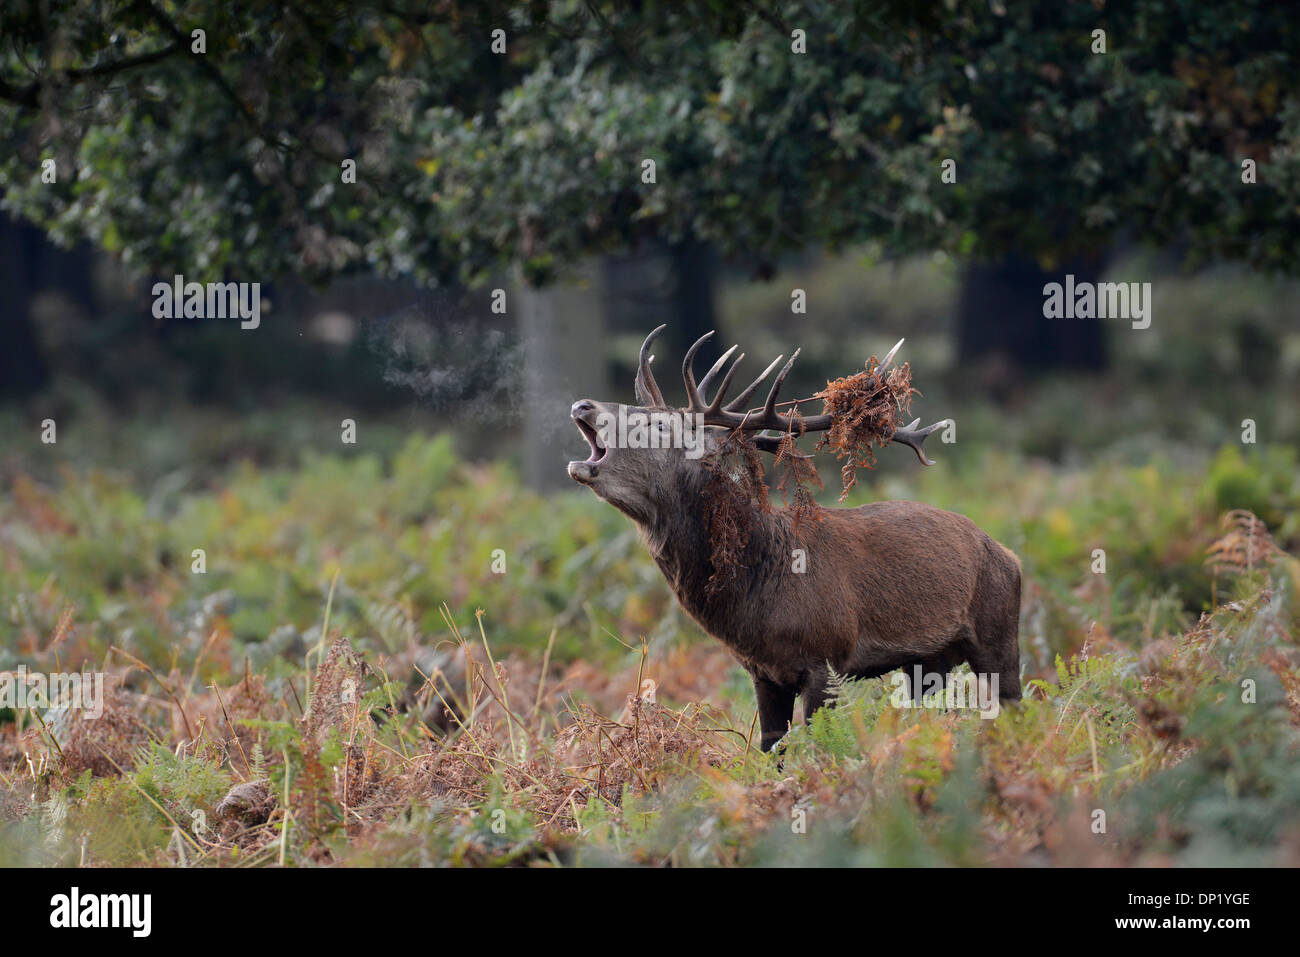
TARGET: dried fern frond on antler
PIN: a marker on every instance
(864, 410)
(798, 475)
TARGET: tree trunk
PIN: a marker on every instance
(22, 368)
(1000, 313)
(694, 267)
(562, 331)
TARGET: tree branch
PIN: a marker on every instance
(28, 96)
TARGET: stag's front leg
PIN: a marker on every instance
(775, 710)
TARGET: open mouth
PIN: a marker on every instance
(598, 451)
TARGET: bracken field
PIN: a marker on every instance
(356, 678)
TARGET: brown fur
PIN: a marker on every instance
(887, 585)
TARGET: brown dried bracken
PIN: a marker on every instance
(798, 475)
(864, 412)
(106, 745)
(336, 695)
(1245, 546)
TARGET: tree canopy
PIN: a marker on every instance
(223, 151)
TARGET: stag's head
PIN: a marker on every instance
(645, 456)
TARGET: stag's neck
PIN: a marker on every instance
(680, 543)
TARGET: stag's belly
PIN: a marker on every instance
(787, 660)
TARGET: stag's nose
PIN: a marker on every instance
(582, 407)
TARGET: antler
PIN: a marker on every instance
(647, 390)
(734, 414)
(913, 439)
(730, 416)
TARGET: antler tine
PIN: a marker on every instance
(769, 407)
(647, 390)
(708, 376)
(739, 402)
(889, 357)
(913, 439)
(693, 403)
(721, 394)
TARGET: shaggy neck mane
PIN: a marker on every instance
(681, 544)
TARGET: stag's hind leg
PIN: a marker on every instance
(813, 691)
(939, 664)
(996, 648)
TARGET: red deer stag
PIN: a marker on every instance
(887, 585)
